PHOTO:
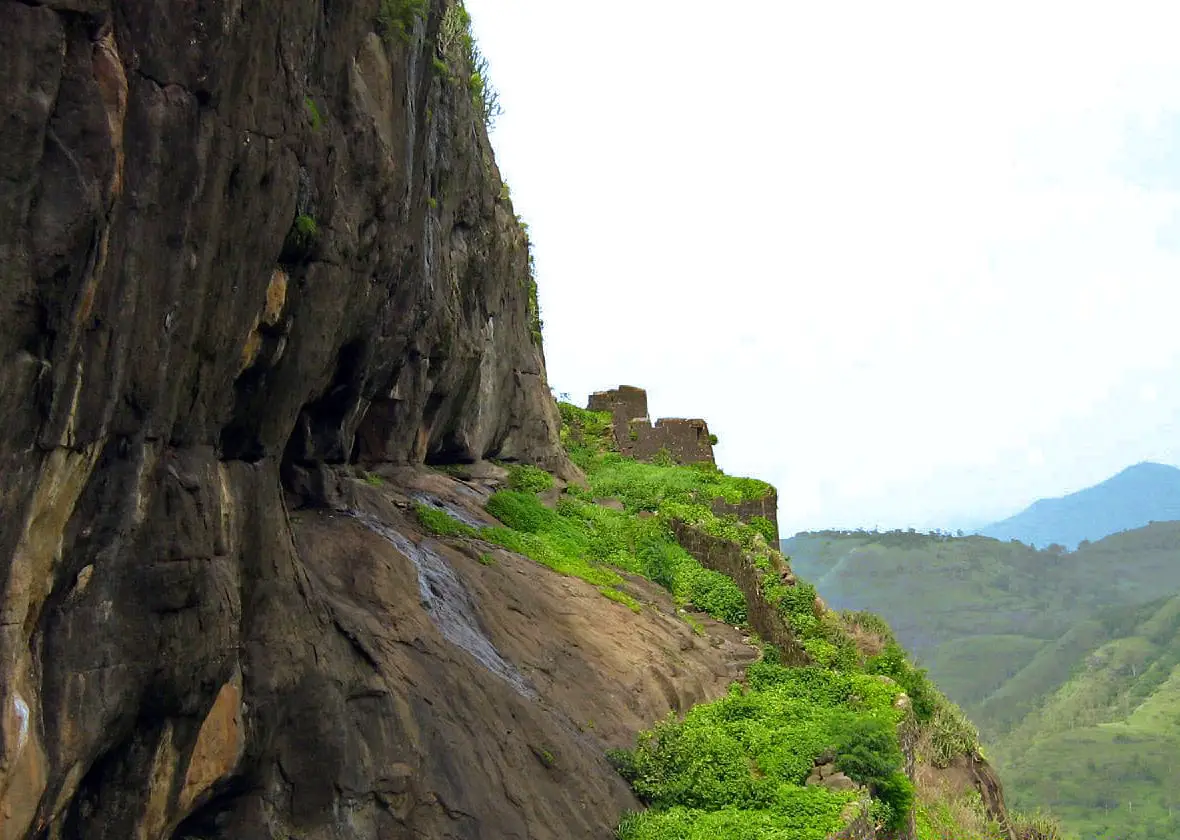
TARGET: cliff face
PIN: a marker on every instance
(239, 243)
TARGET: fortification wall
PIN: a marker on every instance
(687, 441)
(766, 507)
(724, 556)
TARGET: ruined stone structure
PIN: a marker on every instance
(685, 441)
(749, 509)
(727, 557)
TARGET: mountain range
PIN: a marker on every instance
(1135, 497)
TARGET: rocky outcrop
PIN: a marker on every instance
(971, 774)
(682, 441)
(240, 243)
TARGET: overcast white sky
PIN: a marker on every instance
(916, 265)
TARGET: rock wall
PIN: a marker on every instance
(238, 242)
(724, 556)
(745, 511)
(685, 441)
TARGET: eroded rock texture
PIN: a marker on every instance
(183, 357)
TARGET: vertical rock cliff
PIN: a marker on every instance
(239, 243)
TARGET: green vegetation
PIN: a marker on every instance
(301, 240)
(374, 480)
(458, 49)
(397, 18)
(620, 597)
(1074, 680)
(1100, 746)
(764, 527)
(528, 479)
(736, 767)
(442, 524)
(536, 325)
(313, 113)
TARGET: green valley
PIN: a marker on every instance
(1067, 661)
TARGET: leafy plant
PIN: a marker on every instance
(313, 113)
(867, 751)
(457, 44)
(766, 528)
(892, 662)
(397, 18)
(301, 240)
(528, 479)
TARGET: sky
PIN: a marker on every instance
(916, 263)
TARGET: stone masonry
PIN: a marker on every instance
(686, 441)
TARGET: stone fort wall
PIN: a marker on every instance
(686, 441)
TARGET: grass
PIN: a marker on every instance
(623, 598)
(301, 239)
(442, 524)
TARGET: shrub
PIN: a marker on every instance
(396, 18)
(528, 479)
(764, 527)
(1037, 826)
(949, 733)
(867, 751)
(301, 239)
(458, 44)
(892, 663)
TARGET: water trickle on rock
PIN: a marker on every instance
(452, 510)
(449, 604)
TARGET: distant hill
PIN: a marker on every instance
(1135, 497)
(1069, 662)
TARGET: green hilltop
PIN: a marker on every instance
(1067, 661)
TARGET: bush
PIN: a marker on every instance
(950, 733)
(766, 528)
(528, 479)
(1037, 826)
(891, 662)
(868, 752)
(299, 246)
(396, 18)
